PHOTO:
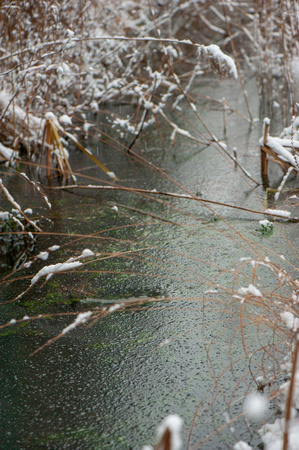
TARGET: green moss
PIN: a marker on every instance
(83, 437)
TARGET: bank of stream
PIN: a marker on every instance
(109, 385)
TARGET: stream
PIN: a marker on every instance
(109, 385)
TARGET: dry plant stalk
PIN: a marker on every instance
(290, 397)
(52, 142)
(281, 151)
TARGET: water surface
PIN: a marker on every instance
(109, 386)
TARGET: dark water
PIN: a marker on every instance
(110, 385)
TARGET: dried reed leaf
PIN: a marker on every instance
(63, 161)
(89, 154)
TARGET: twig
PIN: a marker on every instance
(17, 206)
(168, 194)
(290, 399)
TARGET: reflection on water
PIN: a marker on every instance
(110, 385)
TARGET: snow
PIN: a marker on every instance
(26, 318)
(125, 124)
(115, 307)
(180, 131)
(170, 50)
(288, 131)
(115, 208)
(54, 248)
(251, 289)
(19, 223)
(43, 255)
(272, 435)
(255, 407)
(241, 445)
(20, 116)
(9, 197)
(174, 424)
(70, 33)
(260, 380)
(28, 211)
(280, 187)
(65, 120)
(81, 318)
(111, 175)
(27, 264)
(51, 116)
(86, 252)
(4, 215)
(290, 320)
(12, 321)
(48, 271)
(278, 212)
(223, 145)
(265, 223)
(280, 150)
(47, 201)
(7, 153)
(215, 52)
(288, 142)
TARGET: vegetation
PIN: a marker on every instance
(80, 74)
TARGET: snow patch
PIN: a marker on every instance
(4, 215)
(111, 175)
(256, 407)
(7, 153)
(174, 424)
(43, 255)
(214, 51)
(241, 445)
(278, 212)
(48, 271)
(65, 120)
(54, 248)
(290, 320)
(251, 289)
(86, 253)
(81, 318)
(265, 223)
(115, 307)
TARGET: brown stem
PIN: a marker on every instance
(290, 398)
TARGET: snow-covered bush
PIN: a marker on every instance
(72, 57)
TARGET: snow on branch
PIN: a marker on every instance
(48, 271)
(223, 63)
(81, 318)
